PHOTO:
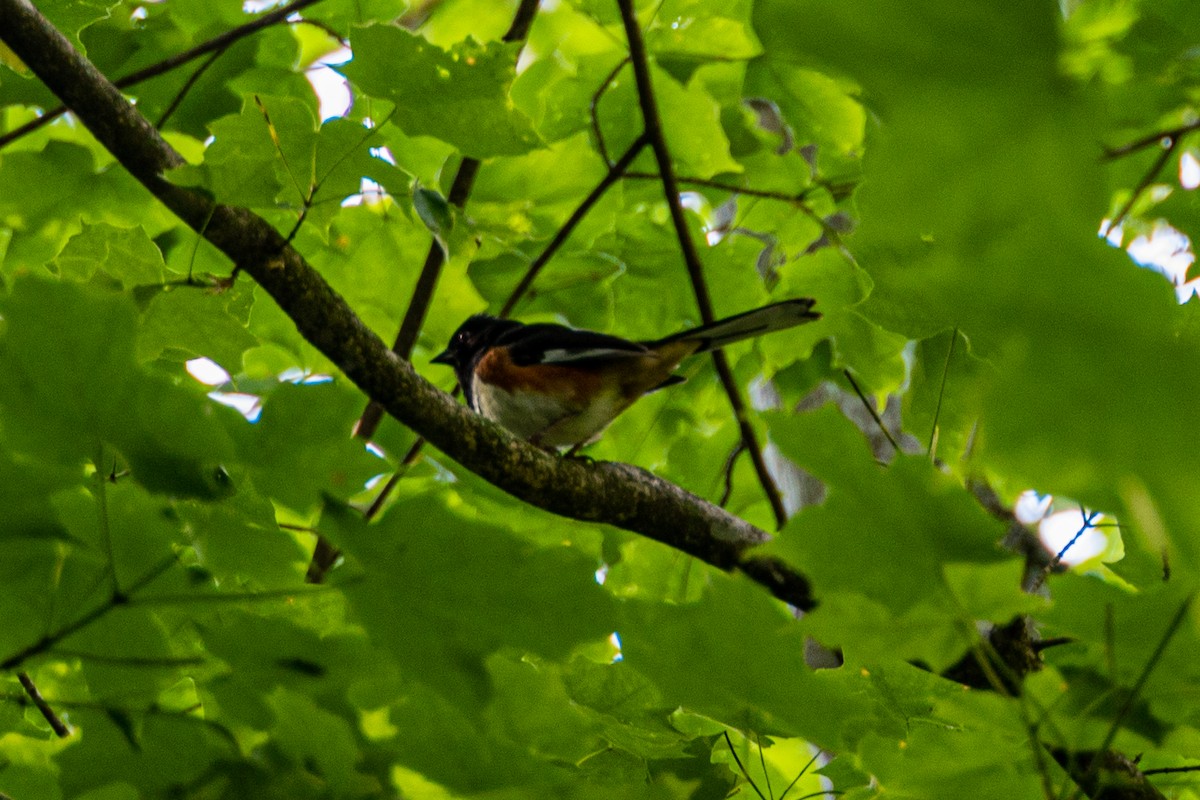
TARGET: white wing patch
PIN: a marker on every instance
(562, 356)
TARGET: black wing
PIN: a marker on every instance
(544, 343)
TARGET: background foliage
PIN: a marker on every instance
(154, 541)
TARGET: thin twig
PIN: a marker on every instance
(50, 640)
(871, 409)
(560, 237)
(1120, 151)
(730, 462)
(1148, 178)
(1056, 562)
(733, 752)
(796, 198)
(1134, 692)
(61, 729)
(1087, 525)
(215, 44)
(691, 257)
(1169, 770)
(184, 90)
(601, 145)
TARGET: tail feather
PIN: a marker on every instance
(775, 317)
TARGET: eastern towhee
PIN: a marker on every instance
(560, 387)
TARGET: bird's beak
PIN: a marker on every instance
(444, 357)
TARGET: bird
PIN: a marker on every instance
(561, 387)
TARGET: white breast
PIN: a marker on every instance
(524, 413)
(544, 420)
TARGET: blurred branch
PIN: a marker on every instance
(115, 600)
(691, 257)
(1162, 138)
(1168, 142)
(616, 494)
(216, 45)
(1151, 175)
(61, 729)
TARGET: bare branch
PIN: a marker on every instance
(1159, 138)
(691, 258)
(61, 729)
(1168, 149)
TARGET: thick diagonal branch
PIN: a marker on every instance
(614, 494)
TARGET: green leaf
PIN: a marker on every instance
(239, 540)
(127, 256)
(470, 83)
(170, 750)
(298, 470)
(541, 599)
(694, 29)
(723, 657)
(73, 383)
(913, 518)
(189, 322)
(943, 405)
(75, 16)
(435, 212)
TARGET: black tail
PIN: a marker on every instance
(775, 317)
